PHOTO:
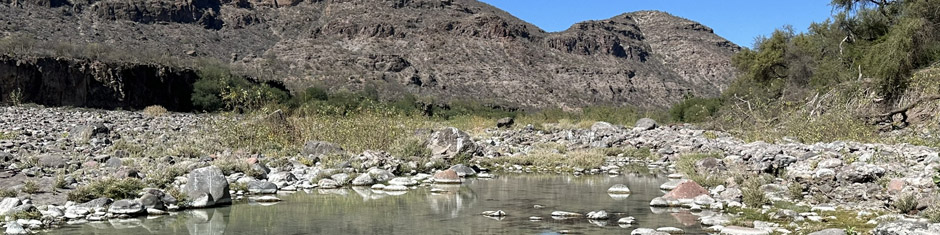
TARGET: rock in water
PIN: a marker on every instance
(449, 142)
(598, 215)
(463, 170)
(380, 175)
(565, 214)
(267, 199)
(262, 187)
(686, 190)
(208, 181)
(363, 180)
(14, 228)
(403, 181)
(618, 189)
(328, 184)
(505, 122)
(645, 124)
(498, 213)
(446, 177)
(626, 220)
(127, 207)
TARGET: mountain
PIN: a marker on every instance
(446, 49)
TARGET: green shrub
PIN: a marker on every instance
(414, 146)
(694, 109)
(751, 193)
(7, 193)
(30, 187)
(108, 187)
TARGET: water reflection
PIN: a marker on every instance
(437, 209)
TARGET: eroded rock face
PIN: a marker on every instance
(208, 186)
(641, 58)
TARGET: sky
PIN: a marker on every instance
(739, 21)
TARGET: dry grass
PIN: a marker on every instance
(155, 111)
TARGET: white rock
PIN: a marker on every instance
(618, 189)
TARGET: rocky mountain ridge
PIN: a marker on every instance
(447, 49)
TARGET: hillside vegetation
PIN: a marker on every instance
(868, 70)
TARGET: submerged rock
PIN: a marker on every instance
(403, 181)
(497, 213)
(626, 220)
(598, 215)
(396, 188)
(565, 214)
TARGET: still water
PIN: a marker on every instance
(419, 211)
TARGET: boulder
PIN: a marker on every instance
(505, 122)
(645, 124)
(904, 227)
(380, 175)
(262, 187)
(14, 228)
(281, 177)
(152, 201)
(598, 215)
(328, 184)
(446, 177)
(8, 204)
(403, 181)
(319, 148)
(395, 188)
(603, 126)
(565, 214)
(52, 160)
(84, 133)
(208, 181)
(449, 142)
(686, 190)
(463, 170)
(363, 180)
(497, 213)
(127, 207)
(341, 178)
(860, 172)
(736, 230)
(626, 220)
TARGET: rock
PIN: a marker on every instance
(260, 169)
(565, 214)
(901, 227)
(52, 160)
(328, 184)
(736, 230)
(505, 122)
(672, 184)
(645, 124)
(498, 213)
(449, 142)
(127, 207)
(860, 172)
(262, 187)
(378, 186)
(535, 218)
(14, 228)
(603, 126)
(670, 230)
(704, 200)
(618, 189)
(686, 190)
(831, 231)
(646, 231)
(266, 199)
(114, 162)
(403, 181)
(208, 181)
(396, 188)
(341, 178)
(83, 133)
(626, 220)
(281, 178)
(363, 180)
(598, 215)
(659, 202)
(151, 201)
(8, 205)
(463, 171)
(319, 148)
(446, 177)
(380, 175)
(895, 186)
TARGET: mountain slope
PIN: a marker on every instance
(446, 49)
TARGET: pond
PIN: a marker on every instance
(419, 211)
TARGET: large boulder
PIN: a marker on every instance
(262, 187)
(127, 207)
(902, 227)
(207, 181)
(860, 172)
(319, 148)
(505, 122)
(463, 170)
(645, 124)
(449, 142)
(686, 190)
(380, 175)
(8, 204)
(363, 180)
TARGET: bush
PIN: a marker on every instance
(155, 110)
(906, 204)
(694, 109)
(414, 146)
(7, 193)
(108, 187)
(751, 193)
(30, 187)
(686, 165)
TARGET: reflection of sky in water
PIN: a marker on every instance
(451, 209)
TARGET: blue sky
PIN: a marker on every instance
(737, 20)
